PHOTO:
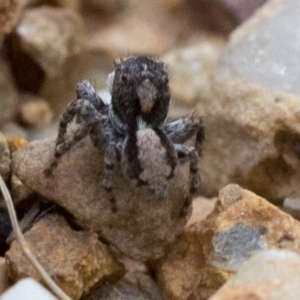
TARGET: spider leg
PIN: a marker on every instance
(66, 118)
(191, 152)
(200, 137)
(110, 159)
(85, 116)
(65, 146)
(86, 91)
(182, 129)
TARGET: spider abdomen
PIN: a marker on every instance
(149, 158)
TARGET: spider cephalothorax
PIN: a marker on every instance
(132, 128)
(140, 89)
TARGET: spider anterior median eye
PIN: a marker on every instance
(165, 78)
(125, 77)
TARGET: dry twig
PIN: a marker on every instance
(12, 214)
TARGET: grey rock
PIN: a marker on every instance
(269, 275)
(118, 291)
(253, 138)
(233, 246)
(142, 226)
(265, 49)
(8, 94)
(292, 206)
(191, 70)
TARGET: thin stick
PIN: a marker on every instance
(12, 214)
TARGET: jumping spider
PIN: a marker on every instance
(132, 128)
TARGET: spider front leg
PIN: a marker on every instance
(85, 117)
(110, 159)
(191, 152)
(181, 130)
(64, 146)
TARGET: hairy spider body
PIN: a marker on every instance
(132, 128)
(140, 88)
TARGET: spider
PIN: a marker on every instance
(132, 128)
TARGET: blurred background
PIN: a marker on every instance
(47, 46)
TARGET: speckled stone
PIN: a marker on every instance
(211, 250)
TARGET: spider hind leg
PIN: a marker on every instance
(191, 152)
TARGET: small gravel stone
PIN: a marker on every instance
(26, 289)
(269, 275)
(75, 260)
(35, 112)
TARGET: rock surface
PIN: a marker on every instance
(201, 208)
(118, 291)
(252, 138)
(269, 275)
(75, 260)
(265, 49)
(138, 276)
(211, 250)
(46, 53)
(191, 69)
(8, 94)
(35, 112)
(150, 28)
(19, 192)
(4, 279)
(142, 226)
(220, 16)
(10, 12)
(292, 207)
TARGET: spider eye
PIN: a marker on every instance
(165, 78)
(125, 77)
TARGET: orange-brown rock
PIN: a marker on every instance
(35, 112)
(10, 12)
(211, 250)
(4, 279)
(17, 143)
(76, 260)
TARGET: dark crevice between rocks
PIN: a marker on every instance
(5, 230)
(27, 74)
(54, 3)
(68, 217)
(288, 142)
